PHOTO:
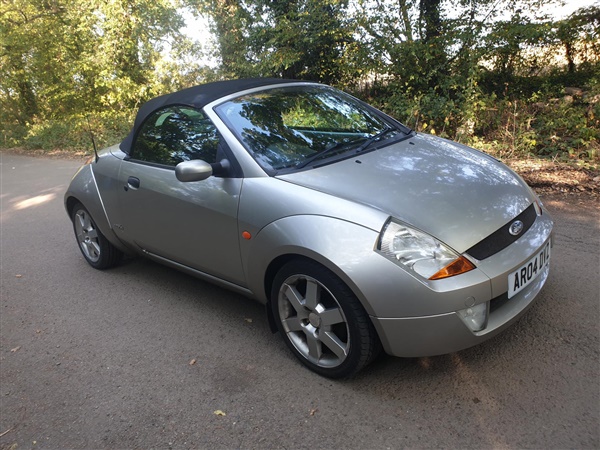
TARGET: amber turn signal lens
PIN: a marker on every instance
(456, 267)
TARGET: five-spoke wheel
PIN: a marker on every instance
(96, 249)
(321, 320)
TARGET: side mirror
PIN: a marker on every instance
(195, 170)
(198, 170)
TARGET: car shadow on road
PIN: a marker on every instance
(243, 318)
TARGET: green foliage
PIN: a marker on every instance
(544, 125)
(60, 59)
(73, 133)
(491, 73)
(303, 39)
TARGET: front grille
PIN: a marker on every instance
(501, 238)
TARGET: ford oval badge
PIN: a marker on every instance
(516, 227)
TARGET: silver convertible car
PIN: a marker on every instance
(356, 232)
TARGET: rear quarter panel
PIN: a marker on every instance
(94, 186)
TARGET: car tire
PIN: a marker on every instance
(322, 321)
(96, 249)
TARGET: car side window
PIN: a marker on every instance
(175, 134)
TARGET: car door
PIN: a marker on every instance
(191, 223)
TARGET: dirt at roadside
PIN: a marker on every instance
(53, 154)
(554, 178)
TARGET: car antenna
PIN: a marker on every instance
(87, 118)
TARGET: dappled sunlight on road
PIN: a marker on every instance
(580, 207)
(16, 204)
(34, 201)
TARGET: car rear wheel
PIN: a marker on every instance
(96, 249)
(322, 321)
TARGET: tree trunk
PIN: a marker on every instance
(430, 16)
(570, 57)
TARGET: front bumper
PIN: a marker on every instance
(444, 331)
(447, 333)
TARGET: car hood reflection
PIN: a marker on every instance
(453, 192)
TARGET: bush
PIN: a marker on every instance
(528, 117)
(71, 134)
(543, 125)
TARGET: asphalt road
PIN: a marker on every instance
(92, 359)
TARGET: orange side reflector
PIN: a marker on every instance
(458, 266)
(246, 235)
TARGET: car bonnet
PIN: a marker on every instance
(448, 190)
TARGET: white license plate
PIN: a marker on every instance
(524, 275)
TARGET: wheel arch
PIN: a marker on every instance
(302, 237)
(70, 203)
(84, 190)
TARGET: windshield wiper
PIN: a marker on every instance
(374, 138)
(322, 153)
(370, 140)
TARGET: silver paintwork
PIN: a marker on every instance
(445, 333)
(194, 224)
(195, 170)
(85, 187)
(450, 191)
(332, 215)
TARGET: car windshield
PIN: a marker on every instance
(292, 127)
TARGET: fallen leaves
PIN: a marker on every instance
(220, 413)
(553, 176)
(192, 362)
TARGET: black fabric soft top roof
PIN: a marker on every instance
(197, 97)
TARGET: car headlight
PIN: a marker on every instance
(420, 252)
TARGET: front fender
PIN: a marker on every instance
(84, 189)
(384, 289)
(339, 245)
